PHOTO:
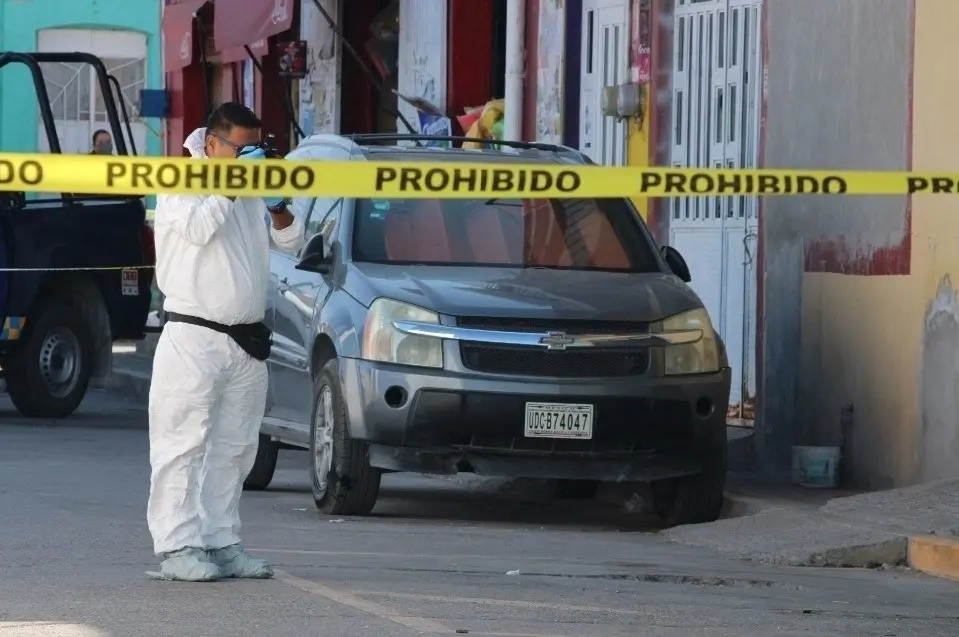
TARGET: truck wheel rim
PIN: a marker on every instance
(323, 440)
(60, 362)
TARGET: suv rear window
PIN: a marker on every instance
(576, 234)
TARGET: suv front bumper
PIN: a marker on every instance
(645, 428)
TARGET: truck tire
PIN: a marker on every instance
(343, 481)
(261, 475)
(48, 373)
(694, 499)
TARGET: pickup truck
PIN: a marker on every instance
(75, 272)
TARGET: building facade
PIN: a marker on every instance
(228, 50)
(125, 34)
(862, 290)
(359, 55)
(846, 306)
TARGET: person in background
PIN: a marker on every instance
(102, 143)
(209, 384)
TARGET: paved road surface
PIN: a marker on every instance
(440, 556)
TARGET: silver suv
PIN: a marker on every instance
(542, 338)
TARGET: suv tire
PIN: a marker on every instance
(351, 485)
(49, 371)
(261, 475)
(698, 498)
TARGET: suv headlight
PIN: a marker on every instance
(383, 342)
(698, 357)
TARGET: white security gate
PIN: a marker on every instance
(75, 96)
(717, 81)
(605, 62)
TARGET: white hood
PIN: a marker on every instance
(196, 142)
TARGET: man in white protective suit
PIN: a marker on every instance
(208, 392)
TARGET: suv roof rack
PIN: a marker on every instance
(33, 61)
(380, 138)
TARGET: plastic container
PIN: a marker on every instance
(816, 467)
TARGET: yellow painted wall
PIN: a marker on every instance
(890, 344)
(637, 150)
(936, 235)
(935, 141)
(859, 340)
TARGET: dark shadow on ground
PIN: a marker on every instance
(467, 498)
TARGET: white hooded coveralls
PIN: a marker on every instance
(207, 395)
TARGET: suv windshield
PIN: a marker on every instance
(575, 234)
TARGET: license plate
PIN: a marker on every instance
(559, 420)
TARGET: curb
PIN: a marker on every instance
(933, 555)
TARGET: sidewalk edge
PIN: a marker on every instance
(937, 556)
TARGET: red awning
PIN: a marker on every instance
(244, 22)
(178, 33)
(238, 53)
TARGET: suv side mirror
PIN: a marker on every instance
(676, 263)
(313, 258)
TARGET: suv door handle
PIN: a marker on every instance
(283, 285)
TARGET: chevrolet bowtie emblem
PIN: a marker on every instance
(556, 340)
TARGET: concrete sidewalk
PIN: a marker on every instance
(915, 526)
(793, 526)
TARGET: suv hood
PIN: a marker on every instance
(533, 293)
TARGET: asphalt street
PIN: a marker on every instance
(439, 556)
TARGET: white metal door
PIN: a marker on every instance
(75, 96)
(717, 78)
(605, 59)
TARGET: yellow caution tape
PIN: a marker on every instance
(97, 174)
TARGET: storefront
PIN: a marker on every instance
(216, 51)
(360, 54)
(361, 51)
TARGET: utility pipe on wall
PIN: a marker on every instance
(515, 69)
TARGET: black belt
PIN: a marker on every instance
(254, 338)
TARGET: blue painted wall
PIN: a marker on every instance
(19, 24)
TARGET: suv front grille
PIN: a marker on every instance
(571, 363)
(528, 361)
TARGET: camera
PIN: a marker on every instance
(269, 147)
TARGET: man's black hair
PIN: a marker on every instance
(230, 114)
(97, 134)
